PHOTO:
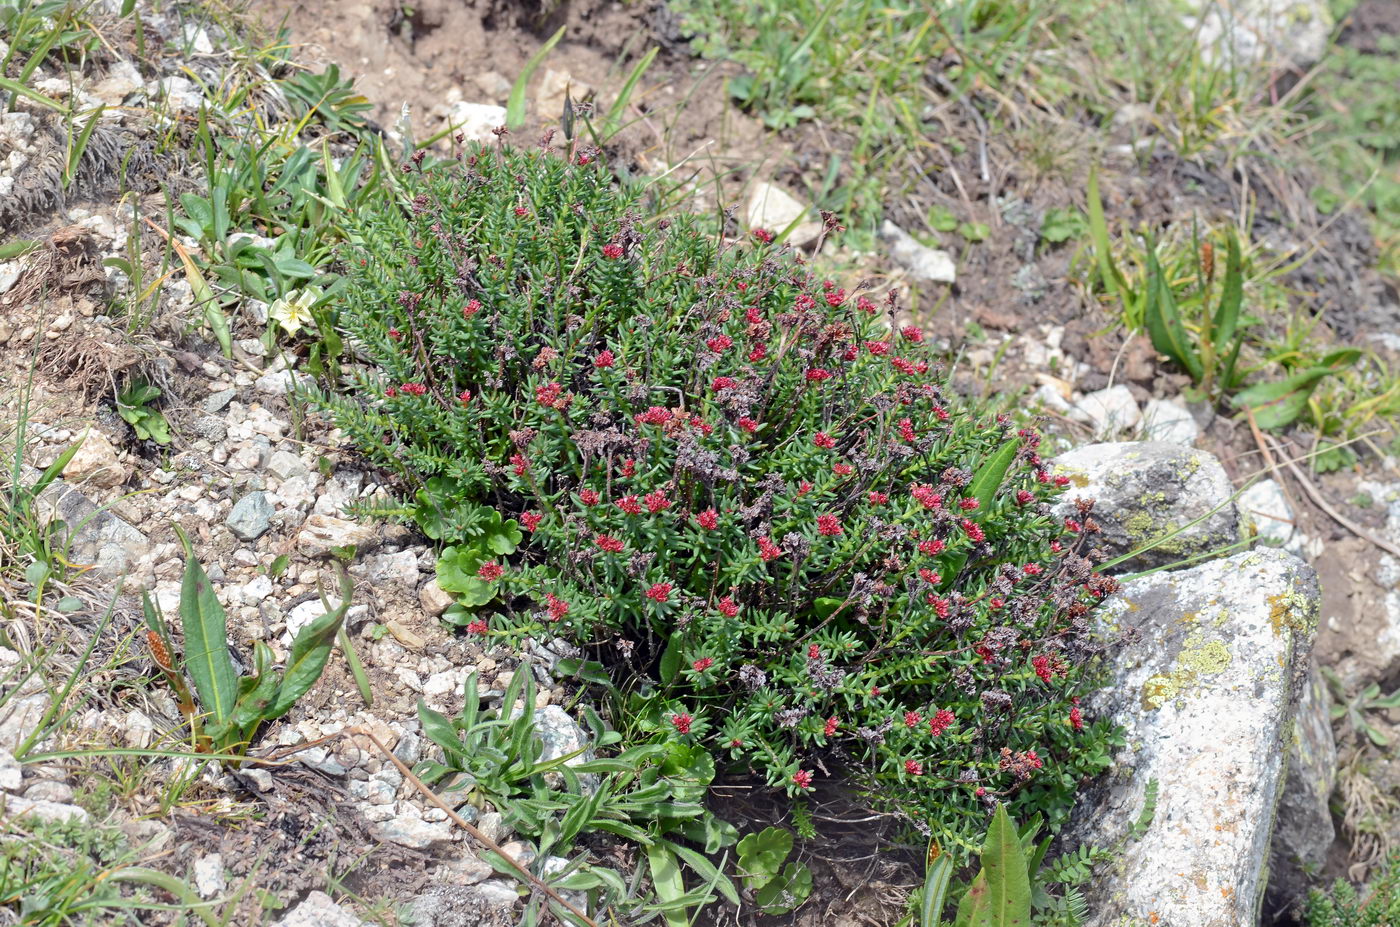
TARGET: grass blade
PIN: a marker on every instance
(515, 106)
(1103, 250)
(75, 154)
(1227, 316)
(205, 626)
(940, 872)
(614, 116)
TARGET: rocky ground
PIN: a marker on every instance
(269, 497)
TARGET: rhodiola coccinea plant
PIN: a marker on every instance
(734, 478)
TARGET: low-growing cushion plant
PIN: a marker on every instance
(737, 483)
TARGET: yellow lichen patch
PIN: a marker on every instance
(1290, 610)
(1199, 658)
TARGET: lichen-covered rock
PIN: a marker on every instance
(1147, 490)
(1303, 831)
(1205, 695)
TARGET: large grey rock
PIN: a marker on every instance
(1303, 831)
(1164, 420)
(922, 262)
(1205, 696)
(1274, 33)
(95, 536)
(318, 910)
(560, 735)
(1146, 490)
(251, 516)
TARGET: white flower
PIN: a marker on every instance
(294, 310)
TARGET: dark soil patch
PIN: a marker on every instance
(1368, 23)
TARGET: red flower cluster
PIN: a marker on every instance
(748, 424)
(822, 439)
(728, 607)
(878, 498)
(413, 389)
(925, 495)
(612, 251)
(941, 721)
(932, 547)
(604, 359)
(973, 531)
(768, 550)
(828, 525)
(719, 343)
(611, 545)
(702, 664)
(656, 501)
(802, 779)
(557, 607)
(490, 571)
(723, 383)
(630, 505)
(831, 724)
(588, 497)
(708, 519)
(472, 307)
(681, 722)
(530, 520)
(817, 374)
(659, 592)
(914, 767)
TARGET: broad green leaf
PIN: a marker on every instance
(1279, 403)
(936, 880)
(310, 651)
(1163, 319)
(205, 627)
(1000, 896)
(670, 665)
(761, 855)
(785, 892)
(1227, 315)
(666, 880)
(706, 870)
(988, 478)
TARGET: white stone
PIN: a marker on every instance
(17, 807)
(1205, 696)
(408, 829)
(774, 209)
(476, 120)
(302, 615)
(284, 465)
(96, 462)
(433, 599)
(1264, 506)
(138, 730)
(19, 716)
(209, 875)
(1164, 420)
(280, 382)
(1049, 397)
(1274, 33)
(323, 533)
(181, 93)
(1110, 411)
(922, 262)
(400, 567)
(9, 274)
(257, 589)
(11, 774)
(549, 96)
(122, 81)
(318, 910)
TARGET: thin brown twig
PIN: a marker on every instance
(1321, 502)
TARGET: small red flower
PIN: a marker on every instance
(656, 415)
(828, 525)
(547, 394)
(391, 392)
(878, 498)
(708, 519)
(1076, 720)
(588, 497)
(1061, 480)
(395, 334)
(490, 571)
(702, 664)
(906, 431)
(932, 547)
(630, 505)
(681, 722)
(973, 530)
(835, 297)
(1073, 526)
(629, 467)
(842, 469)
(604, 359)
(930, 576)
(612, 251)
(940, 606)
(912, 333)
(768, 550)
(803, 487)
(477, 627)
(763, 235)
(611, 545)
(558, 608)
(911, 718)
(748, 424)
(759, 352)
(969, 504)
(822, 439)
(530, 520)
(723, 383)
(814, 652)
(802, 779)
(465, 396)
(728, 607)
(878, 348)
(656, 501)
(914, 767)
(472, 307)
(1032, 569)
(413, 389)
(521, 211)
(831, 724)
(817, 374)
(924, 495)
(520, 463)
(719, 343)
(864, 304)
(941, 721)
(1024, 496)
(659, 592)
